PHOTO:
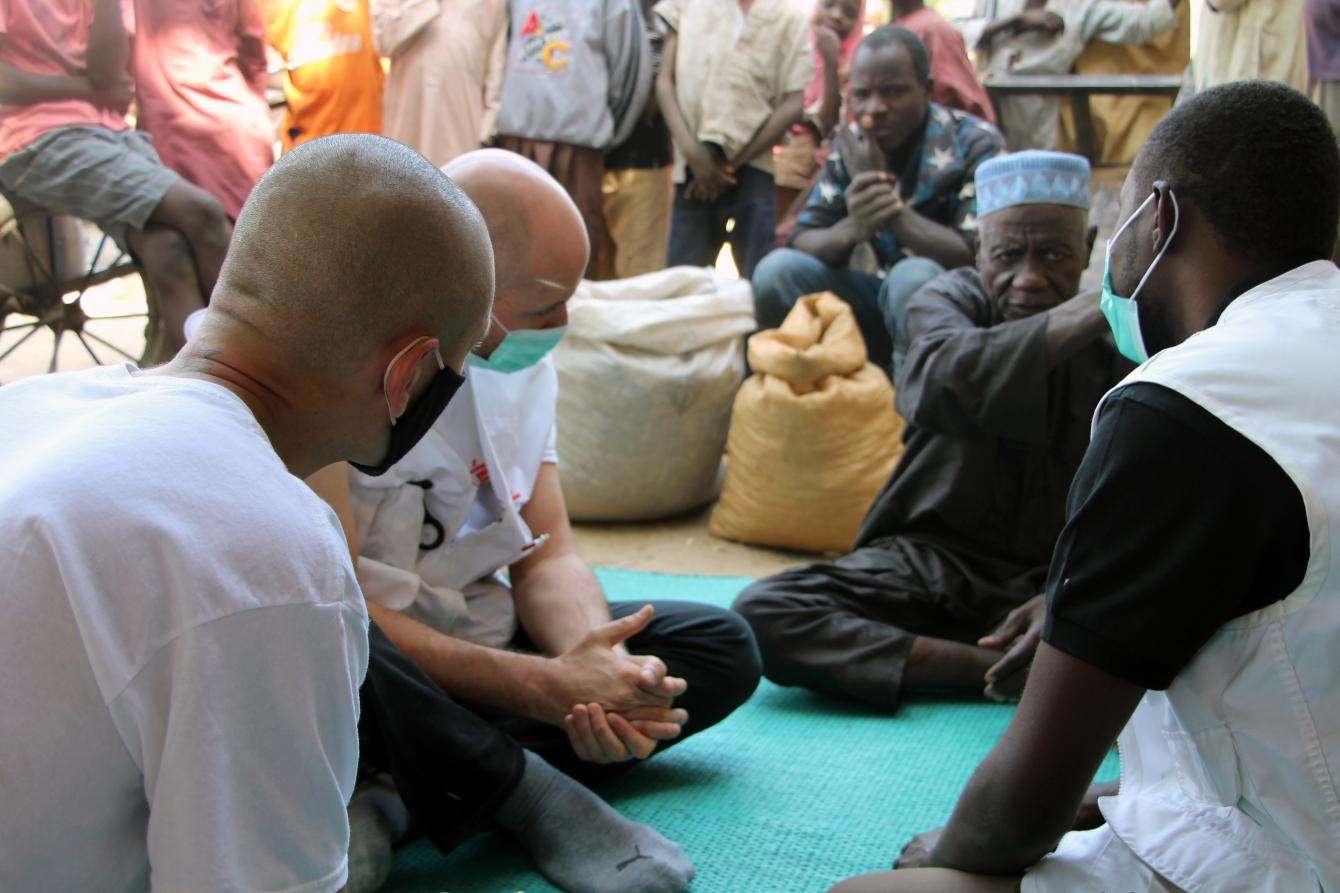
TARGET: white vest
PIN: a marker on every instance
(1229, 777)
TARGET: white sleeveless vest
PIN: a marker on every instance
(1229, 778)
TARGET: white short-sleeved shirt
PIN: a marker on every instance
(182, 648)
(495, 435)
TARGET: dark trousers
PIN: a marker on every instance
(846, 627)
(698, 229)
(454, 766)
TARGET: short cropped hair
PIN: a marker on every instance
(1260, 161)
(889, 35)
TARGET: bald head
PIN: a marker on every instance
(538, 235)
(349, 243)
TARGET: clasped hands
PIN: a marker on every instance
(873, 202)
(614, 706)
(712, 175)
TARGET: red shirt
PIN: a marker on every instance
(955, 82)
(47, 37)
(199, 68)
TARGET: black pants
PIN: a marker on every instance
(845, 628)
(454, 767)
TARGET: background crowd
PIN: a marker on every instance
(914, 244)
(675, 126)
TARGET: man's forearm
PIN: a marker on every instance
(108, 44)
(505, 681)
(19, 87)
(1072, 326)
(832, 245)
(770, 134)
(558, 601)
(994, 30)
(926, 238)
(988, 835)
(674, 118)
(669, 102)
(832, 100)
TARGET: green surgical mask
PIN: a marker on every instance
(520, 349)
(1122, 314)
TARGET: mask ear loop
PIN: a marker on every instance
(1177, 217)
(386, 376)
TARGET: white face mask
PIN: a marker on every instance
(1122, 314)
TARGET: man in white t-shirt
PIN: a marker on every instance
(184, 636)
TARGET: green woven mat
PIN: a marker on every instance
(790, 793)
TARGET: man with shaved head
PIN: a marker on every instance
(186, 636)
(547, 685)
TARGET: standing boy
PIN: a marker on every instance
(577, 83)
(733, 82)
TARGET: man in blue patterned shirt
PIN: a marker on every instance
(901, 179)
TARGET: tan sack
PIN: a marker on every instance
(646, 376)
(813, 437)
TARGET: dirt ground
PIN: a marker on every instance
(680, 545)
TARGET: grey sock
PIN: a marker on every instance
(581, 844)
(377, 819)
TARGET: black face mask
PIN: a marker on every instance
(410, 428)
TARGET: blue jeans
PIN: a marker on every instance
(880, 305)
(698, 229)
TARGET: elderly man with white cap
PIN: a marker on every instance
(1004, 366)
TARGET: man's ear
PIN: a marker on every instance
(1166, 213)
(402, 375)
(1089, 239)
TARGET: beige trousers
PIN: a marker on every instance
(637, 218)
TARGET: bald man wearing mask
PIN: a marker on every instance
(520, 675)
(185, 632)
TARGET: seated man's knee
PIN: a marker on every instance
(730, 641)
(778, 282)
(210, 219)
(163, 252)
(739, 636)
(761, 608)
(783, 274)
(780, 266)
(196, 214)
(904, 280)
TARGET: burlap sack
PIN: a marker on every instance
(646, 376)
(813, 437)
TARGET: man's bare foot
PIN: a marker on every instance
(941, 663)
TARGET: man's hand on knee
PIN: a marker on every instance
(1018, 636)
(601, 737)
(597, 670)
